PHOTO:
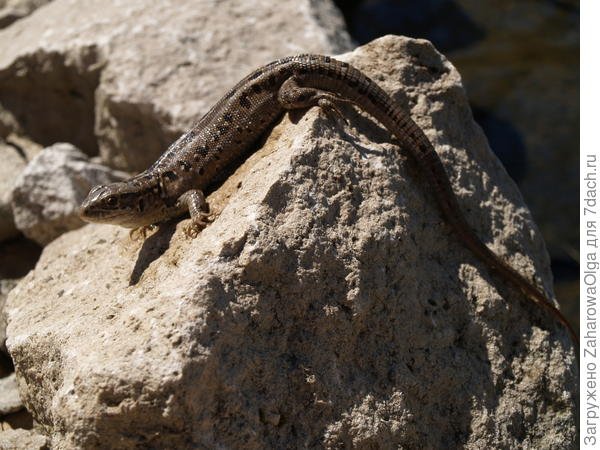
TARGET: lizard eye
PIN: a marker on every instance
(111, 201)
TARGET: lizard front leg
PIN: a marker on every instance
(195, 202)
(292, 95)
(140, 233)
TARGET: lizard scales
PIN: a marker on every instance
(173, 185)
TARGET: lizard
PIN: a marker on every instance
(175, 183)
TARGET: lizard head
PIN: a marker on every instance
(121, 203)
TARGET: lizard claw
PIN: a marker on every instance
(138, 234)
(331, 109)
(197, 224)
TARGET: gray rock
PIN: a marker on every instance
(328, 305)
(12, 164)
(10, 401)
(48, 192)
(13, 415)
(20, 439)
(15, 152)
(129, 79)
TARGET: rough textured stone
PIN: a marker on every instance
(22, 440)
(524, 77)
(129, 77)
(48, 192)
(328, 305)
(520, 66)
(5, 288)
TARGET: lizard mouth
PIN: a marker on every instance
(111, 218)
(94, 216)
(99, 215)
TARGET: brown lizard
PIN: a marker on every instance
(174, 184)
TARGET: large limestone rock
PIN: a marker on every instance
(126, 78)
(328, 305)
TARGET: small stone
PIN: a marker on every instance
(48, 193)
(12, 164)
(10, 401)
(21, 439)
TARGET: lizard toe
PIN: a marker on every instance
(195, 226)
(140, 233)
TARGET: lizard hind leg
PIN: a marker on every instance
(195, 202)
(293, 96)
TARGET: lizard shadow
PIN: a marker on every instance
(152, 248)
(369, 128)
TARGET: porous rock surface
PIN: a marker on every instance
(327, 306)
(47, 194)
(127, 77)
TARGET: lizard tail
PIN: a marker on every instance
(364, 92)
